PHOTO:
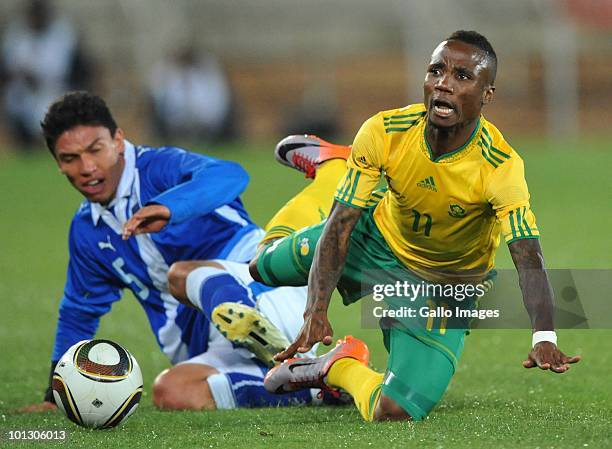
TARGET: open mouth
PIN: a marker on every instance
(93, 187)
(443, 108)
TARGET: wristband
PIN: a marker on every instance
(540, 336)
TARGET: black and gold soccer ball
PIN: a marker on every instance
(97, 384)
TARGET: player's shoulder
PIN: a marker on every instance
(404, 116)
(167, 156)
(495, 149)
(416, 109)
(396, 120)
(82, 228)
(147, 154)
(82, 216)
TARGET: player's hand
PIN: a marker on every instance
(547, 356)
(37, 408)
(316, 328)
(149, 219)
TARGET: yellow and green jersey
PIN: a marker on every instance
(441, 216)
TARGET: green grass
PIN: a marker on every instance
(491, 402)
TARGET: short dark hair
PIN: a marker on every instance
(75, 109)
(477, 40)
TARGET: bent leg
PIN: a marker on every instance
(222, 291)
(184, 387)
(204, 284)
(418, 373)
(309, 206)
(361, 382)
(287, 261)
(416, 378)
(191, 386)
(388, 410)
(177, 277)
(238, 380)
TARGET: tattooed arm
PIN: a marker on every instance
(537, 292)
(325, 272)
(538, 300)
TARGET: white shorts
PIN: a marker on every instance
(222, 356)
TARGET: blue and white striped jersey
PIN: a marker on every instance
(208, 221)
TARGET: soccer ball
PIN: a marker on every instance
(97, 384)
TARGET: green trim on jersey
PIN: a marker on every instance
(410, 120)
(492, 155)
(512, 225)
(518, 223)
(523, 238)
(412, 114)
(397, 130)
(501, 153)
(354, 189)
(346, 185)
(354, 206)
(525, 224)
(485, 155)
(280, 228)
(452, 153)
(519, 220)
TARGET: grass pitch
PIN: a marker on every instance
(491, 402)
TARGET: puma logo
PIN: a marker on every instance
(107, 244)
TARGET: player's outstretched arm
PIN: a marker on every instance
(538, 300)
(325, 272)
(191, 185)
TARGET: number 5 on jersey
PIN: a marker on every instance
(141, 290)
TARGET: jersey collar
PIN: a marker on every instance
(124, 188)
(454, 152)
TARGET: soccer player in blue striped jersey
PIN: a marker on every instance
(146, 211)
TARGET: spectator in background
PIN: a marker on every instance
(317, 113)
(41, 58)
(192, 98)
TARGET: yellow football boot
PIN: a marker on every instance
(247, 327)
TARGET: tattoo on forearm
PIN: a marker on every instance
(527, 254)
(533, 280)
(330, 256)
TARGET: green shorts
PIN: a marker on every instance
(423, 352)
(287, 261)
(417, 373)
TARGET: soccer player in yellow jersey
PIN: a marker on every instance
(454, 186)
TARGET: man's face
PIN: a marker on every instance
(92, 160)
(458, 83)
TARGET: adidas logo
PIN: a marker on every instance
(428, 183)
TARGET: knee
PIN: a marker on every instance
(389, 410)
(169, 393)
(164, 393)
(177, 281)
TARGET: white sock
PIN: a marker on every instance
(194, 280)
(221, 390)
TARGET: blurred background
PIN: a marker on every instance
(215, 70)
(231, 77)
